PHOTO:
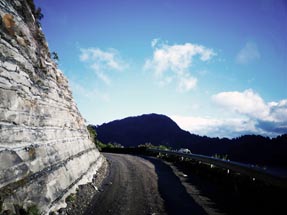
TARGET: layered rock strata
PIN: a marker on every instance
(45, 149)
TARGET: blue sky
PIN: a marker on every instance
(218, 68)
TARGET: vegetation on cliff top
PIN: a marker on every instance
(99, 144)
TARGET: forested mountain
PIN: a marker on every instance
(161, 130)
(151, 128)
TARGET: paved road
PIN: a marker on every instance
(140, 185)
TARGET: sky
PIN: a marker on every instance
(217, 68)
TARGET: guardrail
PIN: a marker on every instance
(245, 169)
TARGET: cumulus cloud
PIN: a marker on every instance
(103, 62)
(215, 127)
(175, 61)
(278, 110)
(186, 82)
(247, 102)
(252, 115)
(268, 117)
(248, 54)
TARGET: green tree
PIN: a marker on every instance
(93, 136)
(38, 14)
(93, 133)
(55, 57)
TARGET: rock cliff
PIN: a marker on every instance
(45, 149)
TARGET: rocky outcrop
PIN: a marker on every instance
(45, 150)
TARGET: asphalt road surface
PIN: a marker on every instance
(142, 185)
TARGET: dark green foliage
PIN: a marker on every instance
(33, 210)
(38, 14)
(93, 133)
(93, 136)
(222, 157)
(114, 145)
(55, 56)
(100, 145)
(71, 198)
(150, 146)
(106, 147)
(147, 145)
(163, 147)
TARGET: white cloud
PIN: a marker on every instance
(247, 112)
(176, 61)
(186, 83)
(215, 127)
(248, 53)
(103, 62)
(83, 91)
(101, 73)
(195, 124)
(269, 117)
(247, 102)
(278, 110)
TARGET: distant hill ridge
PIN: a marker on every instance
(153, 128)
(159, 129)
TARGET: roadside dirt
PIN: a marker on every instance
(136, 185)
(141, 185)
(77, 203)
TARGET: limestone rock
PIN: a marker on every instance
(45, 148)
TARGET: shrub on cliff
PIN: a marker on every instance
(93, 136)
(55, 57)
(37, 12)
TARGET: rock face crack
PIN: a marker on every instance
(28, 180)
(45, 148)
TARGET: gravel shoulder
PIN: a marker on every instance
(78, 203)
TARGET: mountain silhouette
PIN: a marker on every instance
(161, 130)
(149, 128)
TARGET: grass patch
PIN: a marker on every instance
(71, 198)
(33, 210)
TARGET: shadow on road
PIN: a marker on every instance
(232, 193)
(176, 199)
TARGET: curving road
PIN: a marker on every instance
(142, 185)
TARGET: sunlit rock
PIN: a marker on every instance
(45, 150)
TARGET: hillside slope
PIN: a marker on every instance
(150, 128)
(161, 130)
